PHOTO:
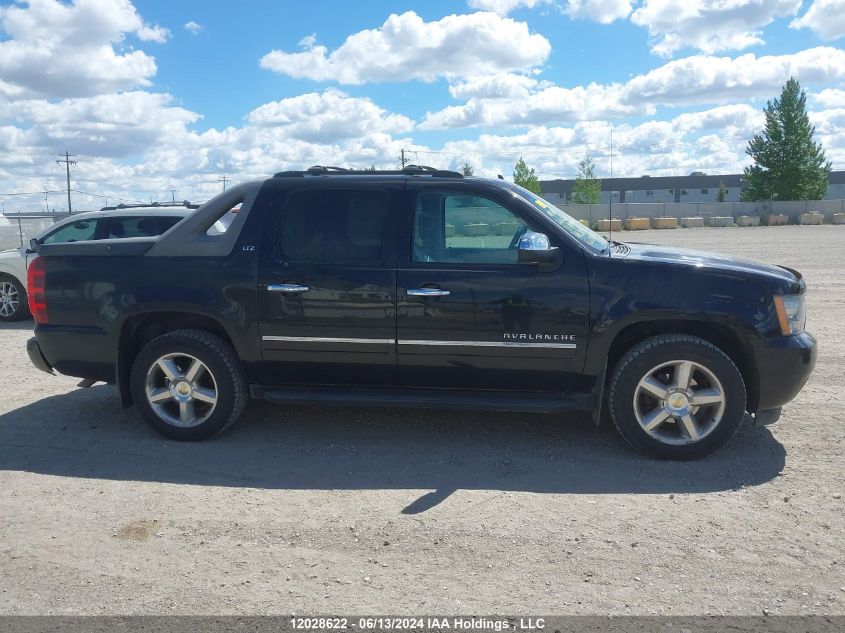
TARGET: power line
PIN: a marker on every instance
(31, 193)
(68, 162)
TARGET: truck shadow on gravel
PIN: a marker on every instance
(85, 433)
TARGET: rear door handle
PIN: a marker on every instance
(427, 292)
(293, 288)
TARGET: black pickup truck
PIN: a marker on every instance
(420, 288)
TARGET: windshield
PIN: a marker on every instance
(573, 227)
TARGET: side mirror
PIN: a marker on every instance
(534, 248)
(33, 245)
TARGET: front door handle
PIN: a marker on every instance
(427, 292)
(293, 288)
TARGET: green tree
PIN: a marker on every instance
(722, 196)
(788, 163)
(467, 170)
(525, 176)
(370, 168)
(587, 189)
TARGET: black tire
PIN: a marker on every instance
(651, 353)
(220, 361)
(22, 310)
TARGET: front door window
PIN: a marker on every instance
(454, 228)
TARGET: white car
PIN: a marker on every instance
(110, 223)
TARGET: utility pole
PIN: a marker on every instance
(173, 195)
(224, 180)
(68, 162)
(610, 203)
(402, 159)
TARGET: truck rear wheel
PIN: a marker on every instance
(188, 384)
(676, 396)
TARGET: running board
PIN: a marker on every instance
(420, 399)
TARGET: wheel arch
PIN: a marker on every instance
(721, 335)
(139, 329)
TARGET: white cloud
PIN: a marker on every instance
(601, 11)
(406, 48)
(706, 79)
(517, 100)
(830, 98)
(825, 17)
(510, 99)
(503, 7)
(105, 125)
(59, 50)
(710, 26)
(193, 27)
(328, 117)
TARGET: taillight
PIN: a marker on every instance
(36, 290)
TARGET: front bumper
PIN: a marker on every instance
(33, 349)
(784, 364)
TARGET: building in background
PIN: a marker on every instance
(697, 187)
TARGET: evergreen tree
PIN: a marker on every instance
(467, 170)
(587, 189)
(525, 176)
(788, 163)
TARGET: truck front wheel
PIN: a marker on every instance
(676, 396)
(188, 384)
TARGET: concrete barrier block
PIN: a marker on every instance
(838, 218)
(748, 220)
(506, 228)
(664, 223)
(776, 219)
(584, 222)
(721, 220)
(692, 223)
(637, 224)
(606, 225)
(811, 218)
(450, 230)
(476, 229)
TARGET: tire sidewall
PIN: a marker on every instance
(650, 354)
(23, 308)
(226, 396)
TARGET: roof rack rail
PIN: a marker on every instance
(408, 170)
(159, 205)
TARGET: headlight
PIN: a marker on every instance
(792, 313)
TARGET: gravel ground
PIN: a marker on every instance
(320, 510)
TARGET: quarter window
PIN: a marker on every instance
(464, 229)
(334, 226)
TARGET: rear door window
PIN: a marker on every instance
(334, 226)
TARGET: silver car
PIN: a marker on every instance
(110, 223)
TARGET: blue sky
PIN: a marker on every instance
(155, 94)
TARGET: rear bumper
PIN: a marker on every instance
(784, 364)
(36, 357)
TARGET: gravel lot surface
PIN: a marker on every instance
(320, 510)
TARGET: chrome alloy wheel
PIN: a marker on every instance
(10, 300)
(181, 390)
(679, 402)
